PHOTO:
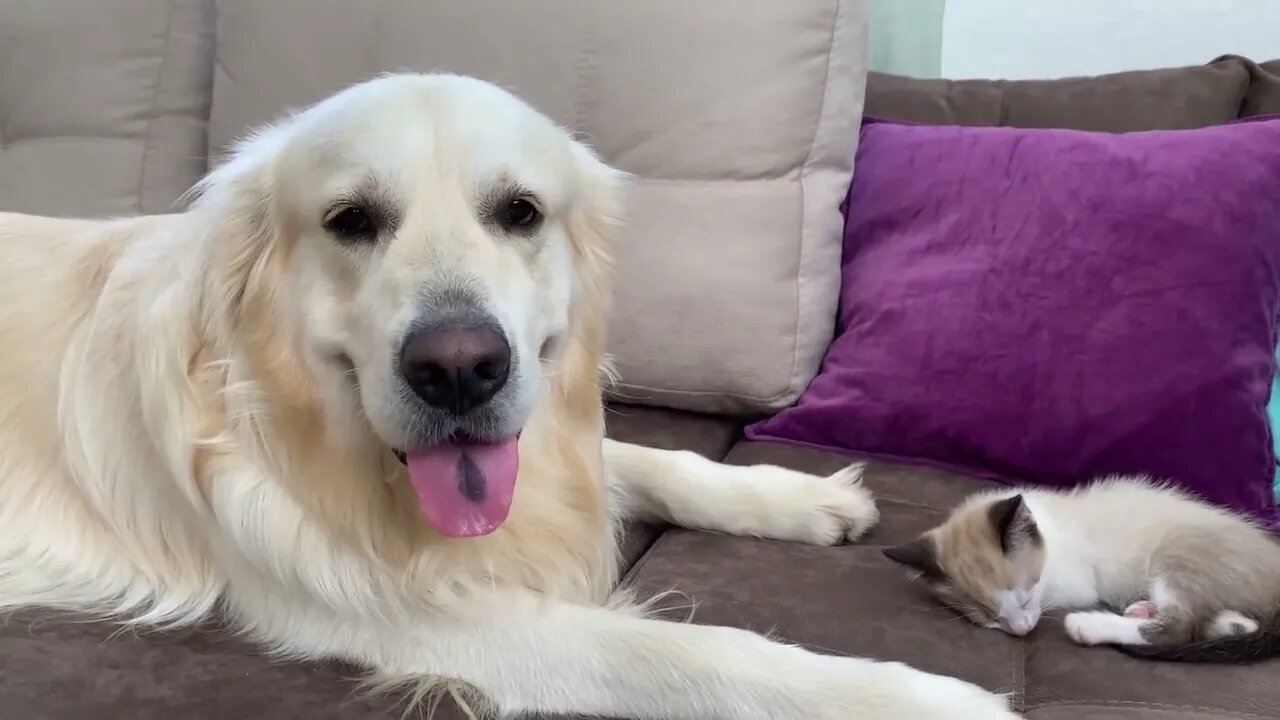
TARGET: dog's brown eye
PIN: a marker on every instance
(519, 214)
(352, 223)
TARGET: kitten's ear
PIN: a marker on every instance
(1013, 523)
(920, 554)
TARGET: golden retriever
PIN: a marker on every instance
(350, 400)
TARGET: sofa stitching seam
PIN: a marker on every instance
(694, 393)
(643, 560)
(1151, 706)
(155, 105)
(638, 179)
(1020, 676)
(805, 243)
(880, 497)
(582, 69)
(42, 139)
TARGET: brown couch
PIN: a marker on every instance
(842, 600)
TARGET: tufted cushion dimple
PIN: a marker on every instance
(103, 105)
(737, 120)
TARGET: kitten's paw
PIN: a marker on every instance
(1144, 609)
(1230, 623)
(835, 508)
(1104, 628)
(1087, 628)
(1082, 629)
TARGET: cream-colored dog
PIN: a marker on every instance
(351, 399)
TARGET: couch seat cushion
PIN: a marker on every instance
(855, 602)
(706, 435)
(56, 667)
(62, 667)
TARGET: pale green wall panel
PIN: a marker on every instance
(906, 37)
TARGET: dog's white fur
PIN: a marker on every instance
(197, 412)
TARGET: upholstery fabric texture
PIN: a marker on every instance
(706, 435)
(738, 167)
(103, 105)
(857, 602)
(1055, 305)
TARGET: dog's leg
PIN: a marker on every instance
(525, 655)
(689, 490)
(528, 653)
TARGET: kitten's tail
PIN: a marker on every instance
(1239, 649)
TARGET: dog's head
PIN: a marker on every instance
(423, 243)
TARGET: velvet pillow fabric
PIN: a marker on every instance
(1052, 305)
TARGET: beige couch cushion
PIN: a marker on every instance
(738, 119)
(103, 105)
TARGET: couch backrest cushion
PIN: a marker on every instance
(738, 120)
(1166, 99)
(103, 105)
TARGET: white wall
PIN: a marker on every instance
(1054, 38)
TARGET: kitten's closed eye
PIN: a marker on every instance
(974, 611)
(978, 616)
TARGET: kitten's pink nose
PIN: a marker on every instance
(1020, 626)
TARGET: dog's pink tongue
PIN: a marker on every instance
(465, 490)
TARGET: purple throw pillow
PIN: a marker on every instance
(1051, 305)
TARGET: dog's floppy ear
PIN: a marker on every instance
(236, 205)
(248, 245)
(596, 213)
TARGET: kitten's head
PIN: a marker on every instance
(985, 562)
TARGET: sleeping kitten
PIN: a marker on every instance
(1196, 583)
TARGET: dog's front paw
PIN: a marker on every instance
(824, 510)
(948, 698)
(781, 504)
(905, 692)
(849, 508)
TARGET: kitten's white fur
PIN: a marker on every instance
(1195, 581)
(1103, 543)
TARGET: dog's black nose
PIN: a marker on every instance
(456, 368)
